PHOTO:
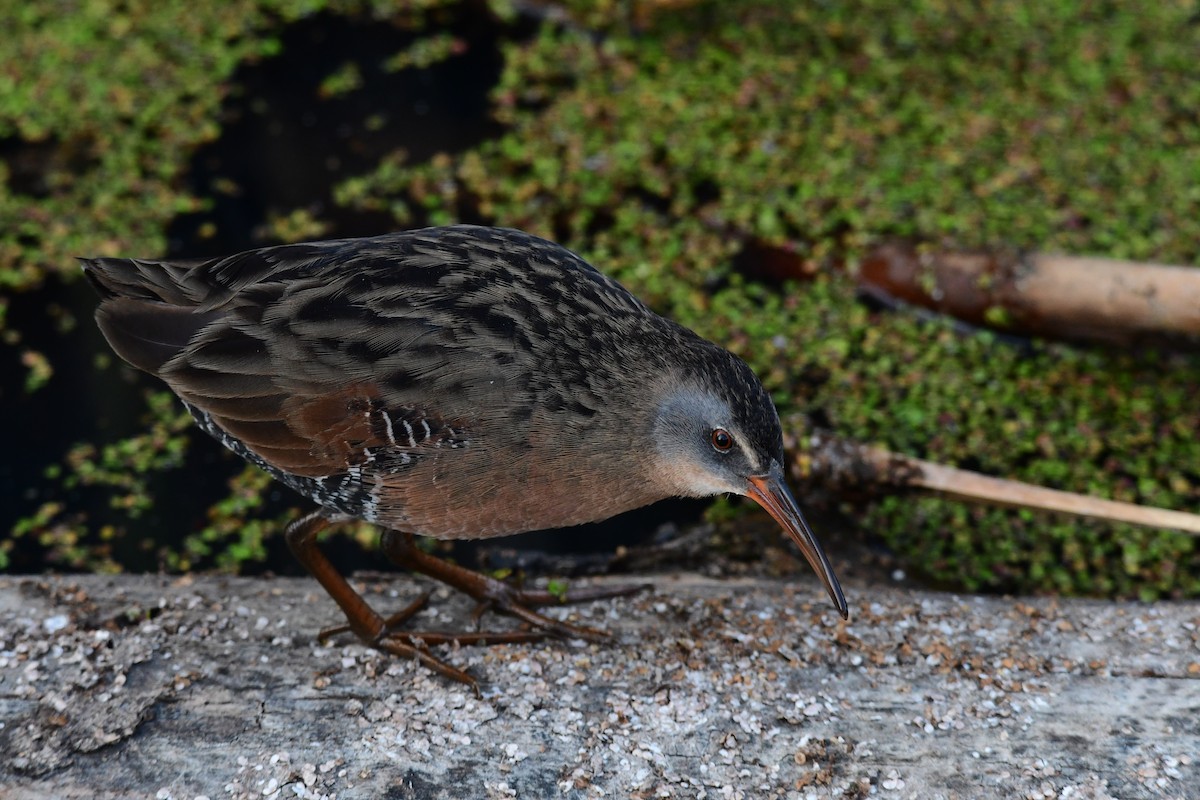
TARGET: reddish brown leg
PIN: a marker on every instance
(366, 624)
(492, 594)
(393, 623)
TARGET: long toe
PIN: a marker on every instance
(538, 598)
(392, 623)
(493, 594)
(547, 625)
(402, 646)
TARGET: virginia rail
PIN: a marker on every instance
(454, 382)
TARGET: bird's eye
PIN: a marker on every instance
(722, 442)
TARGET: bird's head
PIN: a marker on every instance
(716, 431)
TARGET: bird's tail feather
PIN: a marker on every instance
(164, 281)
(147, 333)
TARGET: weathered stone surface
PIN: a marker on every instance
(158, 687)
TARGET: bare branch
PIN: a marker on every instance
(844, 465)
(1095, 299)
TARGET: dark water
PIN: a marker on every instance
(283, 147)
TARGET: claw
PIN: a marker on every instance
(496, 595)
(388, 634)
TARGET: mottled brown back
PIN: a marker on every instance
(386, 377)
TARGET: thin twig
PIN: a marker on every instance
(841, 464)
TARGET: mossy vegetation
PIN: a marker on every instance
(670, 143)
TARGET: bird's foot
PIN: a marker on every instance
(393, 629)
(492, 594)
(394, 640)
(385, 634)
(539, 598)
(501, 597)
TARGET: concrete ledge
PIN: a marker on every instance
(143, 686)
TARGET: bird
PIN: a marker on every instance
(454, 382)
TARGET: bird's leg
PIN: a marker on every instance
(301, 536)
(497, 595)
(365, 623)
(393, 623)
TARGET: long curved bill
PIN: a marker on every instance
(771, 492)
